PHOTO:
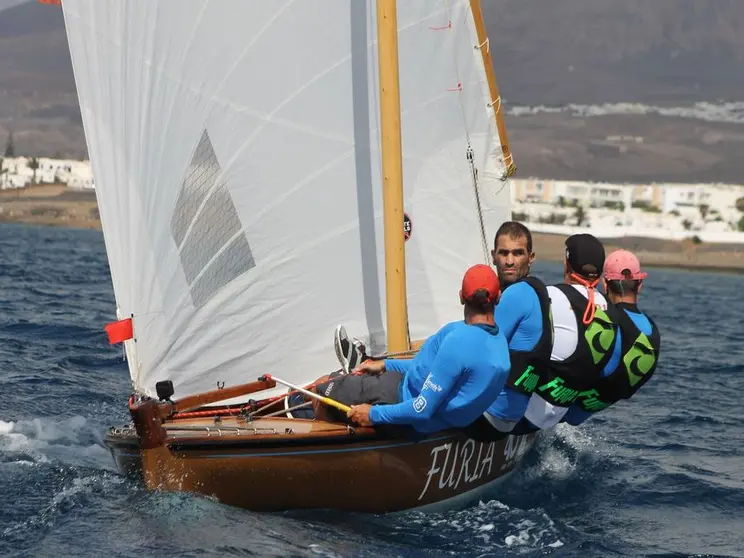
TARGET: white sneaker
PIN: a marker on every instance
(350, 353)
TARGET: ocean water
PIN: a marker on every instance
(661, 475)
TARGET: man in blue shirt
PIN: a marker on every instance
(524, 318)
(636, 352)
(454, 377)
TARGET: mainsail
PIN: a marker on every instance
(235, 146)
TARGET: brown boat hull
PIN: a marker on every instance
(296, 464)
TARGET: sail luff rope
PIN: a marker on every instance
(469, 153)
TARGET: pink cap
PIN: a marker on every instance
(622, 264)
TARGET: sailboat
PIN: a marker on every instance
(264, 172)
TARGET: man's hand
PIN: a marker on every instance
(360, 414)
(374, 367)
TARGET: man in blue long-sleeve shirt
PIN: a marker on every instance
(455, 376)
(524, 318)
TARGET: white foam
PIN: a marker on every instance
(487, 526)
(320, 551)
(6, 427)
(71, 440)
(560, 450)
(533, 534)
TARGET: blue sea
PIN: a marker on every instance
(662, 475)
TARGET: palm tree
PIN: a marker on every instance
(704, 208)
(10, 146)
(33, 164)
(580, 215)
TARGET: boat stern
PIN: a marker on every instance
(124, 446)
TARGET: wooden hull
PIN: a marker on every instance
(283, 464)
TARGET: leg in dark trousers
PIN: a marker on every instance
(524, 427)
(351, 389)
(482, 431)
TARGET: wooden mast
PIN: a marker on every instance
(480, 28)
(392, 176)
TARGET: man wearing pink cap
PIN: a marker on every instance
(636, 350)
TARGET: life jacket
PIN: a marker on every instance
(528, 367)
(565, 380)
(638, 360)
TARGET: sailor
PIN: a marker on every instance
(636, 352)
(583, 336)
(456, 374)
(523, 316)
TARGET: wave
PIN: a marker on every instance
(72, 441)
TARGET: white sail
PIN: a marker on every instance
(445, 116)
(235, 146)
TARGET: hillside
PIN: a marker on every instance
(596, 51)
(663, 52)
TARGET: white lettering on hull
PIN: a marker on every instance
(515, 448)
(461, 464)
(466, 462)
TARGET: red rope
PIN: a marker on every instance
(216, 412)
(591, 306)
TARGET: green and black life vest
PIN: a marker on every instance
(528, 367)
(639, 357)
(566, 380)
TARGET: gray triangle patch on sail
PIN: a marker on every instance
(206, 227)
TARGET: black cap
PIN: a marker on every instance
(582, 250)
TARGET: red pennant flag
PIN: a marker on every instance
(119, 331)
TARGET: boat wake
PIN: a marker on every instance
(510, 520)
(72, 441)
(74, 472)
(482, 528)
(66, 460)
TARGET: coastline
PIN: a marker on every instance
(50, 204)
(654, 252)
(59, 206)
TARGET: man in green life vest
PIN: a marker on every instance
(636, 352)
(583, 336)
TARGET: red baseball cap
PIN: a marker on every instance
(622, 264)
(480, 277)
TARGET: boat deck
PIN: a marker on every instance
(241, 427)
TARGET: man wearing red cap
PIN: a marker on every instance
(636, 351)
(453, 378)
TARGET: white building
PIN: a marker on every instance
(660, 206)
(16, 172)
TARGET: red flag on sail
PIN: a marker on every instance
(119, 331)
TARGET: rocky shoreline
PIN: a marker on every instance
(50, 204)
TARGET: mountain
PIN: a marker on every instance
(4, 4)
(38, 100)
(596, 51)
(546, 52)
